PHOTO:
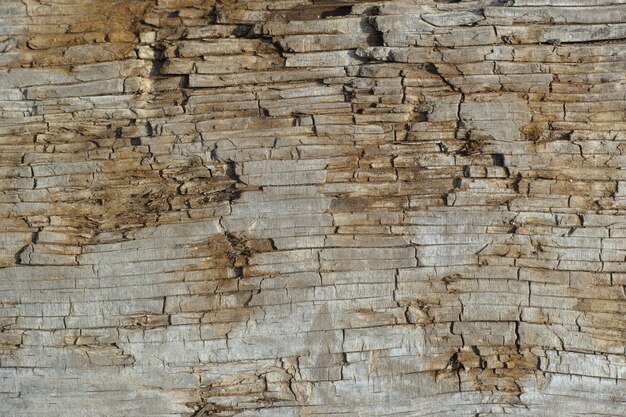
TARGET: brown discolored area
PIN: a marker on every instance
(84, 36)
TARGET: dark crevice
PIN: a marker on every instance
(498, 159)
(339, 11)
(231, 171)
(375, 39)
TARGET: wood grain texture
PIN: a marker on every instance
(309, 208)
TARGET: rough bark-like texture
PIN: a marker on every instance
(312, 208)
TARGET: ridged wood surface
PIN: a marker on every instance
(309, 208)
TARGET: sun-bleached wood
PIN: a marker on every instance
(312, 208)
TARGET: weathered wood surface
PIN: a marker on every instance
(312, 208)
